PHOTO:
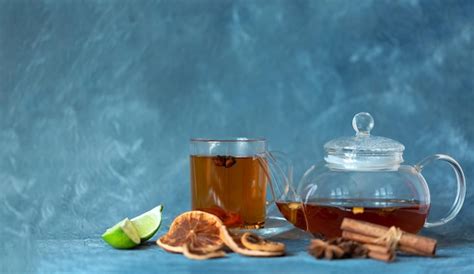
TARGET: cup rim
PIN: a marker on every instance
(229, 140)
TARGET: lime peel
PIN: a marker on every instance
(123, 235)
(148, 223)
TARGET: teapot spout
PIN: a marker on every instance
(280, 174)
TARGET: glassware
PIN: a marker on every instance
(233, 179)
(363, 178)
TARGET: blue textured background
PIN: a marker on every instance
(99, 98)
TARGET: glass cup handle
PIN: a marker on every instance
(279, 173)
(461, 186)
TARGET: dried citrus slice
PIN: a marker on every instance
(201, 255)
(254, 242)
(198, 229)
(235, 244)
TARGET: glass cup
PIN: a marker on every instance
(232, 179)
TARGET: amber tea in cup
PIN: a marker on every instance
(229, 179)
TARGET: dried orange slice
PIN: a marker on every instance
(201, 255)
(254, 242)
(196, 229)
(235, 244)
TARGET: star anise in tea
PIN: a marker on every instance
(224, 161)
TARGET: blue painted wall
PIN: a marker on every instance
(99, 98)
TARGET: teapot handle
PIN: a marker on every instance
(461, 186)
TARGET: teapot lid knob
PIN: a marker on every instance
(363, 123)
(364, 151)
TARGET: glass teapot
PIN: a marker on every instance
(363, 178)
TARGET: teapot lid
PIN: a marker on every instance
(364, 151)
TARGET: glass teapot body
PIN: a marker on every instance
(391, 197)
(363, 178)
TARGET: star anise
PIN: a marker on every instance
(351, 248)
(224, 161)
(321, 249)
(337, 248)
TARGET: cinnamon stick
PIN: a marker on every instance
(408, 241)
(373, 241)
(359, 238)
(377, 248)
(413, 251)
(379, 252)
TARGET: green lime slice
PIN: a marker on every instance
(148, 223)
(122, 235)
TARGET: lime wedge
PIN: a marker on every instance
(122, 235)
(148, 223)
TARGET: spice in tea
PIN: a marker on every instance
(324, 217)
(232, 188)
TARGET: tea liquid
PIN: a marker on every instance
(233, 188)
(324, 217)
